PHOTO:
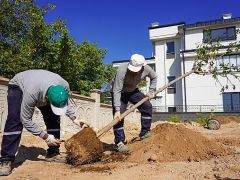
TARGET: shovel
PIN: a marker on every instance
(86, 147)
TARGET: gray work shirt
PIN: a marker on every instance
(34, 85)
(125, 82)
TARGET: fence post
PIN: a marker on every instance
(95, 94)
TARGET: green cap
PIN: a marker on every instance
(58, 97)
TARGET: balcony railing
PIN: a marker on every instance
(197, 108)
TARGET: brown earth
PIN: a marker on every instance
(174, 151)
(175, 142)
(228, 119)
(83, 147)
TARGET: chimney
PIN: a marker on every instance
(227, 16)
(155, 24)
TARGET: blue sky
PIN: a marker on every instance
(121, 26)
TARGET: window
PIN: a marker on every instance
(170, 47)
(172, 88)
(231, 101)
(238, 60)
(221, 34)
(172, 109)
(225, 60)
(229, 60)
(233, 60)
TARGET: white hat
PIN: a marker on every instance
(136, 63)
(59, 111)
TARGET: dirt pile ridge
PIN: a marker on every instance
(228, 119)
(175, 142)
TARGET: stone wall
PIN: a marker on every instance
(3, 101)
(87, 108)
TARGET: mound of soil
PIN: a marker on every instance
(174, 142)
(83, 147)
(229, 141)
(228, 119)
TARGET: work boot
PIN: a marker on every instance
(144, 136)
(121, 147)
(58, 158)
(53, 155)
(5, 168)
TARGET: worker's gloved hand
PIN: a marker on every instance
(52, 141)
(117, 114)
(84, 124)
(150, 94)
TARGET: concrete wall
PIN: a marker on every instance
(168, 65)
(86, 108)
(163, 33)
(3, 101)
(205, 90)
(193, 38)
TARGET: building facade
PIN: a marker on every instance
(174, 53)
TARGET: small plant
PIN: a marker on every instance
(174, 118)
(212, 114)
(202, 119)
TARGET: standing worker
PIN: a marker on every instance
(29, 89)
(124, 90)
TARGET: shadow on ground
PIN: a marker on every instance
(109, 147)
(28, 153)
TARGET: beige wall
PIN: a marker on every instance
(3, 101)
(87, 108)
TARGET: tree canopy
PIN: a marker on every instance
(28, 42)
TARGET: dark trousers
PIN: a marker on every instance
(145, 110)
(52, 122)
(13, 127)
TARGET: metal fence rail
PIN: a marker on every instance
(197, 108)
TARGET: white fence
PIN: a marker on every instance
(86, 108)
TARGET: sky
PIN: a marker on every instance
(121, 26)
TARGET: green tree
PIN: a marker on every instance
(92, 72)
(27, 42)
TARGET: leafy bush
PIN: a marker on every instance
(202, 119)
(174, 118)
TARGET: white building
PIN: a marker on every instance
(174, 52)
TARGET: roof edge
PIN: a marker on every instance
(167, 25)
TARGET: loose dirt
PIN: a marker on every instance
(228, 119)
(83, 148)
(174, 151)
(175, 142)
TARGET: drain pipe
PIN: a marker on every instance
(184, 71)
(165, 77)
